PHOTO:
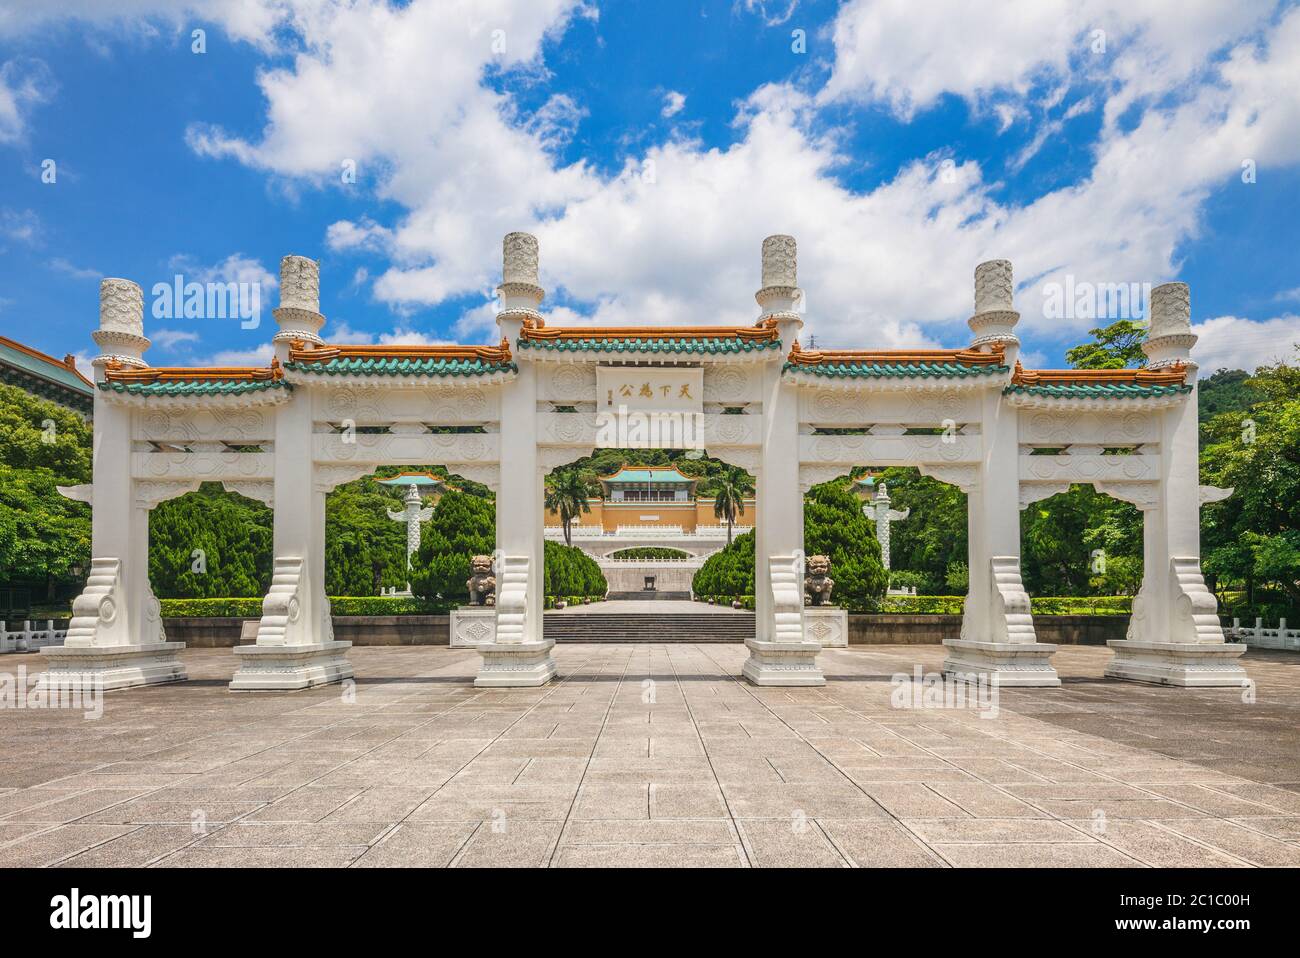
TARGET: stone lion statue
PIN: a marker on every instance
(482, 584)
(817, 582)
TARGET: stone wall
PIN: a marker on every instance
(863, 629)
(933, 629)
(358, 629)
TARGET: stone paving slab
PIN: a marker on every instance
(656, 755)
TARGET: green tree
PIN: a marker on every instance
(44, 538)
(1116, 346)
(210, 544)
(834, 526)
(1252, 538)
(729, 491)
(566, 495)
(462, 527)
(365, 551)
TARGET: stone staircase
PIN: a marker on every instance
(643, 628)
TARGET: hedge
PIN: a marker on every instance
(1039, 605)
(339, 605)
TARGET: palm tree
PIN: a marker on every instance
(733, 485)
(566, 496)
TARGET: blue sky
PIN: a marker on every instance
(651, 146)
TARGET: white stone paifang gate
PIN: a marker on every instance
(504, 415)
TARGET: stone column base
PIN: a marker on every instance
(108, 667)
(515, 665)
(1184, 664)
(827, 625)
(783, 663)
(472, 626)
(287, 668)
(1007, 665)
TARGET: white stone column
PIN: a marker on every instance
(116, 638)
(1174, 636)
(780, 652)
(998, 643)
(519, 655)
(295, 646)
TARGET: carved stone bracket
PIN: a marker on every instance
(965, 477)
(1031, 492)
(1144, 495)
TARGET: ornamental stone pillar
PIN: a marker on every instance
(780, 653)
(998, 643)
(116, 637)
(295, 647)
(1174, 636)
(519, 655)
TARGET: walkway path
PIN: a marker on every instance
(644, 607)
(645, 755)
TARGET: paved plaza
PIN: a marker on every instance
(655, 755)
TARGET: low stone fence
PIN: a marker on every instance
(884, 629)
(32, 636)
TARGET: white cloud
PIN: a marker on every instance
(235, 268)
(168, 339)
(259, 355)
(248, 20)
(20, 226)
(61, 265)
(1230, 342)
(673, 103)
(907, 55)
(24, 84)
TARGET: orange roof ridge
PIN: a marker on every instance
(965, 357)
(69, 361)
(120, 372)
(301, 351)
(1173, 375)
(762, 333)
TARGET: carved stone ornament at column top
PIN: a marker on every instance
(121, 306)
(519, 258)
(300, 283)
(780, 261)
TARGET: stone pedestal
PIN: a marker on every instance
(288, 668)
(1185, 664)
(472, 626)
(509, 665)
(108, 667)
(827, 625)
(1004, 664)
(787, 663)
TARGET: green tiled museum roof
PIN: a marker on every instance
(647, 474)
(704, 340)
(45, 376)
(897, 364)
(449, 360)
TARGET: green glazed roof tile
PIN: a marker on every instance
(211, 387)
(402, 367)
(1099, 391)
(667, 344)
(896, 370)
